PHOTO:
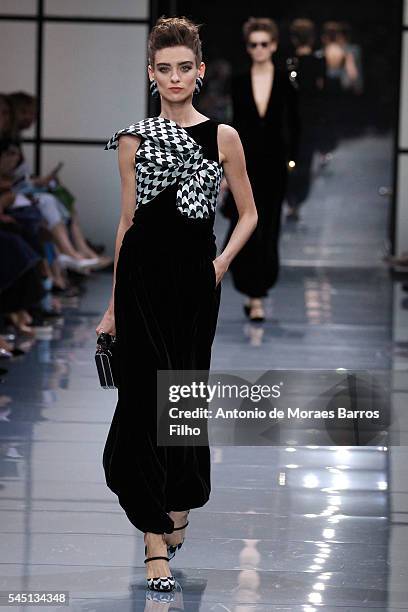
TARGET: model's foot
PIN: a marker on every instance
(59, 283)
(179, 519)
(17, 319)
(6, 346)
(156, 547)
(256, 311)
(26, 317)
(292, 214)
(103, 261)
(87, 253)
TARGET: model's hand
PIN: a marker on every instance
(41, 181)
(221, 267)
(107, 324)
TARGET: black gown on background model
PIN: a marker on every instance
(166, 309)
(310, 70)
(269, 142)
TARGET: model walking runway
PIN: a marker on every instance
(166, 308)
(166, 287)
(264, 106)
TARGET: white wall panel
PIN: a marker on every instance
(22, 7)
(403, 135)
(18, 72)
(94, 78)
(402, 205)
(401, 219)
(100, 8)
(92, 174)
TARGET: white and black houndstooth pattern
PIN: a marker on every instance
(166, 155)
(161, 583)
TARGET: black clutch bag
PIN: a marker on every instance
(105, 360)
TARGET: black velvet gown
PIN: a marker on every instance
(310, 78)
(269, 143)
(166, 309)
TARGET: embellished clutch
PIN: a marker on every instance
(104, 359)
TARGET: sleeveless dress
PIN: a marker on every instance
(269, 142)
(166, 310)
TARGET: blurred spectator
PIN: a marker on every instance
(308, 72)
(343, 81)
(62, 221)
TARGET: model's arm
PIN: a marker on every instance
(127, 148)
(233, 160)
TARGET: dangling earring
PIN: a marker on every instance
(154, 90)
(198, 86)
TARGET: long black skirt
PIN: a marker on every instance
(255, 269)
(166, 309)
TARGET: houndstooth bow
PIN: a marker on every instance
(168, 154)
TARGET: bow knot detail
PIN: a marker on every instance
(166, 155)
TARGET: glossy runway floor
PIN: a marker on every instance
(298, 529)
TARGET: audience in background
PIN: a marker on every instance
(308, 72)
(44, 255)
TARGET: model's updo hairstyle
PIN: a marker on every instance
(174, 31)
(260, 24)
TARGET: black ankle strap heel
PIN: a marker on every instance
(172, 549)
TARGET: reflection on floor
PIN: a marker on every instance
(345, 219)
(286, 528)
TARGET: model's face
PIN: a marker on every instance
(25, 115)
(175, 71)
(260, 46)
(5, 116)
(9, 159)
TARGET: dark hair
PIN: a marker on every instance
(174, 31)
(345, 29)
(331, 30)
(4, 99)
(20, 99)
(302, 32)
(260, 24)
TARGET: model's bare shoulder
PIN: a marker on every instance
(129, 142)
(227, 134)
(128, 146)
(228, 139)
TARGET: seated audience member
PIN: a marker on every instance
(75, 249)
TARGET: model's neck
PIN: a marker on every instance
(182, 113)
(262, 67)
(304, 50)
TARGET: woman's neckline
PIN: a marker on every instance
(183, 126)
(271, 90)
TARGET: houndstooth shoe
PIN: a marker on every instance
(160, 583)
